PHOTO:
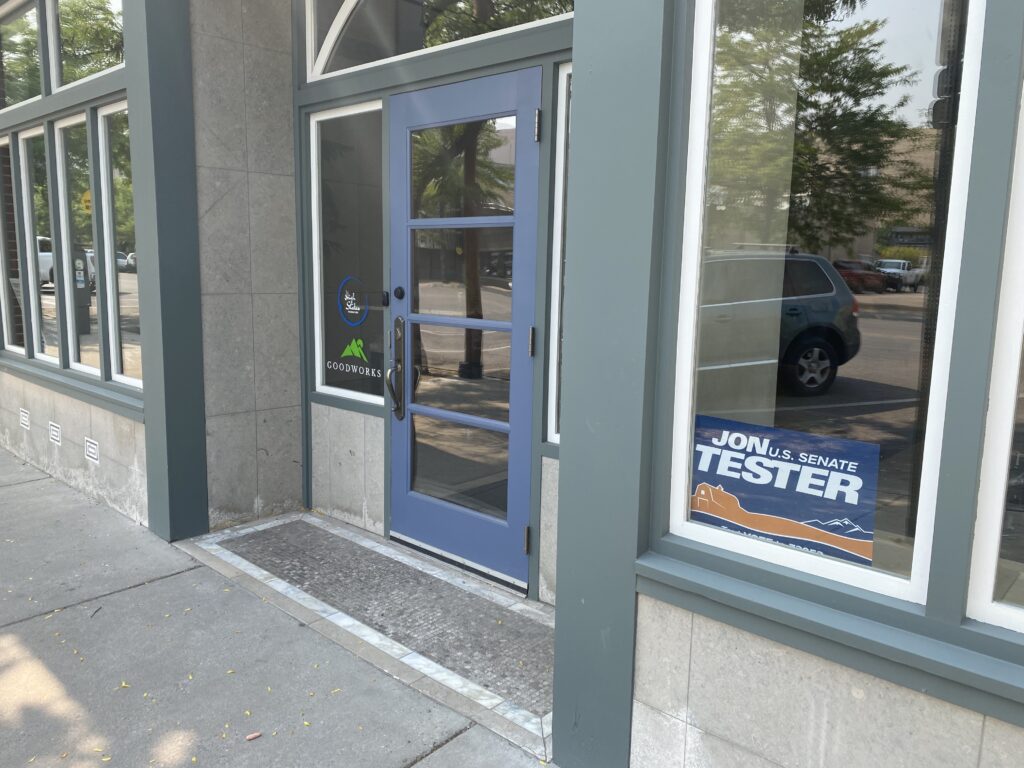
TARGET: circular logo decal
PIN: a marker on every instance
(352, 305)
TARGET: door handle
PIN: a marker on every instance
(394, 378)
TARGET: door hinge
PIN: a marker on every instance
(526, 540)
(533, 340)
(536, 125)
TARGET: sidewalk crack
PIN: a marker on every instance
(440, 745)
(99, 597)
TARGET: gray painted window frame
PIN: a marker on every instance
(548, 44)
(931, 647)
(84, 96)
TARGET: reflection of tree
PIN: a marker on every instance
(445, 21)
(91, 38)
(122, 204)
(809, 146)
(453, 174)
(19, 59)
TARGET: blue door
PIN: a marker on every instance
(464, 180)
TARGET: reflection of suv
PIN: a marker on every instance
(862, 276)
(795, 307)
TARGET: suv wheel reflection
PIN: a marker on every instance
(810, 367)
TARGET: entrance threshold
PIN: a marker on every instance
(475, 646)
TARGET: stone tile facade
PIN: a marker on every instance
(242, 80)
(348, 466)
(118, 478)
(548, 528)
(708, 694)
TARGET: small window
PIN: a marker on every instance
(122, 261)
(89, 38)
(364, 31)
(19, 55)
(79, 257)
(46, 300)
(805, 278)
(348, 230)
(11, 296)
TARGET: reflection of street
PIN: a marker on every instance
(874, 400)
(131, 337)
(449, 299)
(440, 384)
(464, 465)
(89, 342)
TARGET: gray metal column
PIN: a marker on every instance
(616, 164)
(159, 71)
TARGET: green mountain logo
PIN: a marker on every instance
(355, 349)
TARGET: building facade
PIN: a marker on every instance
(695, 319)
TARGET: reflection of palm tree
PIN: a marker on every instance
(454, 175)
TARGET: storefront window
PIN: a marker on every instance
(90, 37)
(122, 258)
(79, 252)
(19, 56)
(10, 291)
(829, 156)
(351, 270)
(372, 30)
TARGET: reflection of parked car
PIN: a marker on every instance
(133, 264)
(861, 276)
(44, 260)
(908, 275)
(122, 261)
(795, 306)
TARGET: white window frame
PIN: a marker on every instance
(109, 254)
(56, 66)
(376, 105)
(5, 311)
(557, 233)
(915, 588)
(32, 245)
(999, 424)
(6, 9)
(317, 60)
(64, 214)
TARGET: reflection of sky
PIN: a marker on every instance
(911, 39)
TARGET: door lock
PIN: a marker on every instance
(399, 293)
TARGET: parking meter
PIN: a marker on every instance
(81, 281)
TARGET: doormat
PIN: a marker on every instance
(479, 640)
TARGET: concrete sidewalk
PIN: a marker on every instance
(119, 649)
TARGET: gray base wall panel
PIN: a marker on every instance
(118, 478)
(707, 693)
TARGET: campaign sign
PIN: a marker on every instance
(813, 492)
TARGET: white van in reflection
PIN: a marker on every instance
(766, 317)
(44, 259)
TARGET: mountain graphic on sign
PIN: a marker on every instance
(355, 349)
(718, 503)
(844, 526)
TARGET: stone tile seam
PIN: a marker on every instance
(24, 482)
(209, 167)
(413, 660)
(436, 747)
(102, 596)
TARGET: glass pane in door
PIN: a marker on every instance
(467, 466)
(463, 272)
(462, 369)
(466, 169)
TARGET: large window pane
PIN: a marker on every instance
(379, 29)
(121, 255)
(90, 37)
(80, 254)
(352, 260)
(19, 56)
(1009, 584)
(45, 296)
(11, 297)
(830, 139)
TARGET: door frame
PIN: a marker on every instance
(485, 543)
